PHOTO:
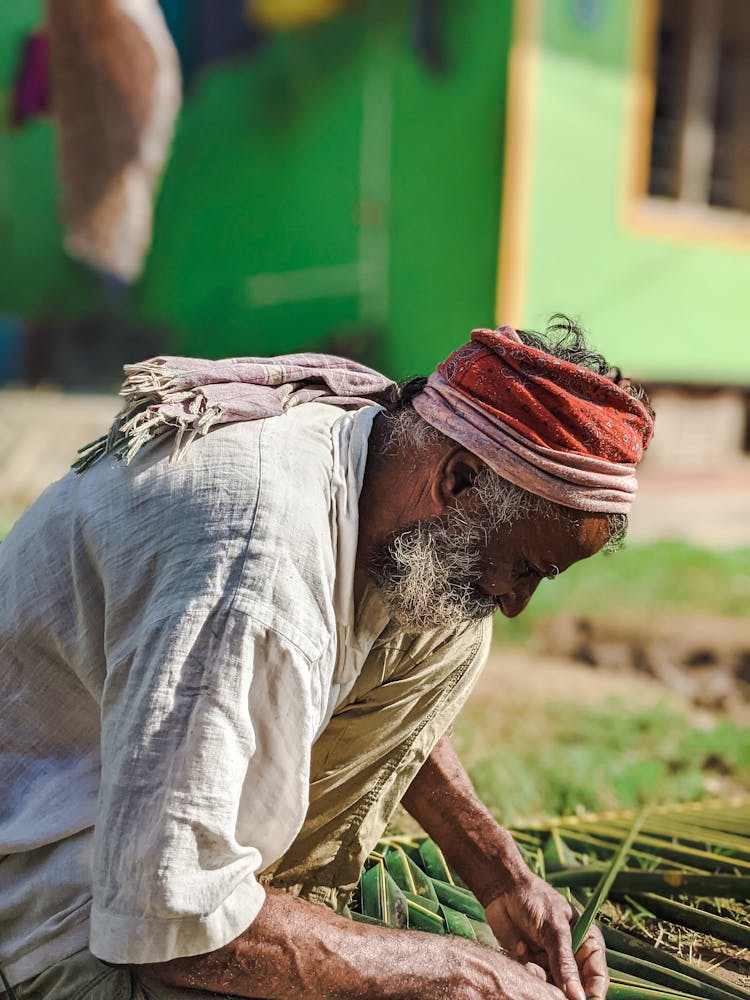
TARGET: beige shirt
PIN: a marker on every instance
(196, 621)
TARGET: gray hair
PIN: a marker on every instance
(504, 502)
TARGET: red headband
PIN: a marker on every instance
(555, 428)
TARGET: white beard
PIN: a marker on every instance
(427, 575)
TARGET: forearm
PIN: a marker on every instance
(295, 948)
(443, 801)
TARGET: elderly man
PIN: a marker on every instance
(228, 658)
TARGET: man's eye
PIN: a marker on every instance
(545, 574)
(530, 571)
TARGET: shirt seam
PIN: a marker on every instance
(270, 612)
(251, 527)
(258, 618)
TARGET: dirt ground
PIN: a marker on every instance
(705, 658)
(40, 433)
(515, 684)
(513, 678)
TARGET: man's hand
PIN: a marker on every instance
(533, 922)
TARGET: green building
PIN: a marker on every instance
(339, 187)
(627, 184)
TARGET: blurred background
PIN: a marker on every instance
(374, 178)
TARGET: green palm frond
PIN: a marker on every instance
(676, 874)
(603, 886)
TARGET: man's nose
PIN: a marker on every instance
(514, 601)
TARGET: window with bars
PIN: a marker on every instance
(700, 137)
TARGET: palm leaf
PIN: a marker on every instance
(666, 883)
(689, 874)
(656, 974)
(601, 892)
(620, 942)
(723, 928)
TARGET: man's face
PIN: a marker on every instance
(535, 550)
(448, 570)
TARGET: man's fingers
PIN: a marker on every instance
(535, 929)
(597, 987)
(592, 961)
(562, 962)
(573, 989)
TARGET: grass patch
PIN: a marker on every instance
(556, 759)
(670, 576)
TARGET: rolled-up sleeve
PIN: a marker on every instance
(207, 727)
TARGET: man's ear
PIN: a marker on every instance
(457, 474)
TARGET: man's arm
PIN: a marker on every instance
(443, 801)
(529, 917)
(298, 949)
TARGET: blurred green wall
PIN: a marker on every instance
(328, 190)
(659, 306)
